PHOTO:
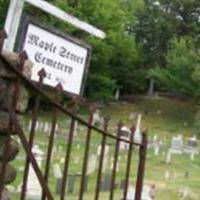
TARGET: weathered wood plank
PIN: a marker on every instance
(47, 7)
(12, 23)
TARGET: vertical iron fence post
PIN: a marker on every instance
(120, 124)
(128, 165)
(103, 144)
(42, 75)
(68, 150)
(141, 167)
(86, 154)
(58, 90)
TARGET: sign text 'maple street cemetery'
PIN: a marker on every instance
(63, 59)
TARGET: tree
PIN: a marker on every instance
(181, 74)
(161, 21)
(3, 12)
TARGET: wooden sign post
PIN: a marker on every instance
(14, 16)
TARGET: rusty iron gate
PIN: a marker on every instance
(27, 141)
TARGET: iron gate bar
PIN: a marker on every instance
(68, 154)
(141, 167)
(86, 154)
(50, 148)
(128, 166)
(58, 90)
(64, 110)
(115, 162)
(103, 143)
(32, 135)
(90, 127)
(28, 151)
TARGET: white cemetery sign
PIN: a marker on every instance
(14, 16)
(64, 59)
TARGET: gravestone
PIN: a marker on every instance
(125, 132)
(133, 116)
(123, 146)
(91, 164)
(106, 150)
(167, 175)
(156, 146)
(192, 146)
(97, 121)
(58, 186)
(105, 163)
(106, 183)
(176, 145)
(57, 171)
(34, 190)
(137, 135)
(46, 127)
(76, 128)
(147, 193)
(71, 183)
(168, 157)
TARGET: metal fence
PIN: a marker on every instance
(55, 109)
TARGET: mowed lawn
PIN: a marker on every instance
(162, 117)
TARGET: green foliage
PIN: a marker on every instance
(182, 64)
(3, 11)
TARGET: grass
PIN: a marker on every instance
(162, 117)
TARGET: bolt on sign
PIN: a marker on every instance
(64, 58)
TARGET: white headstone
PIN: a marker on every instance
(176, 145)
(146, 193)
(123, 145)
(168, 157)
(137, 135)
(57, 171)
(34, 190)
(96, 118)
(105, 163)
(91, 164)
(106, 150)
(167, 175)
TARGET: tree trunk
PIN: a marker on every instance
(151, 87)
